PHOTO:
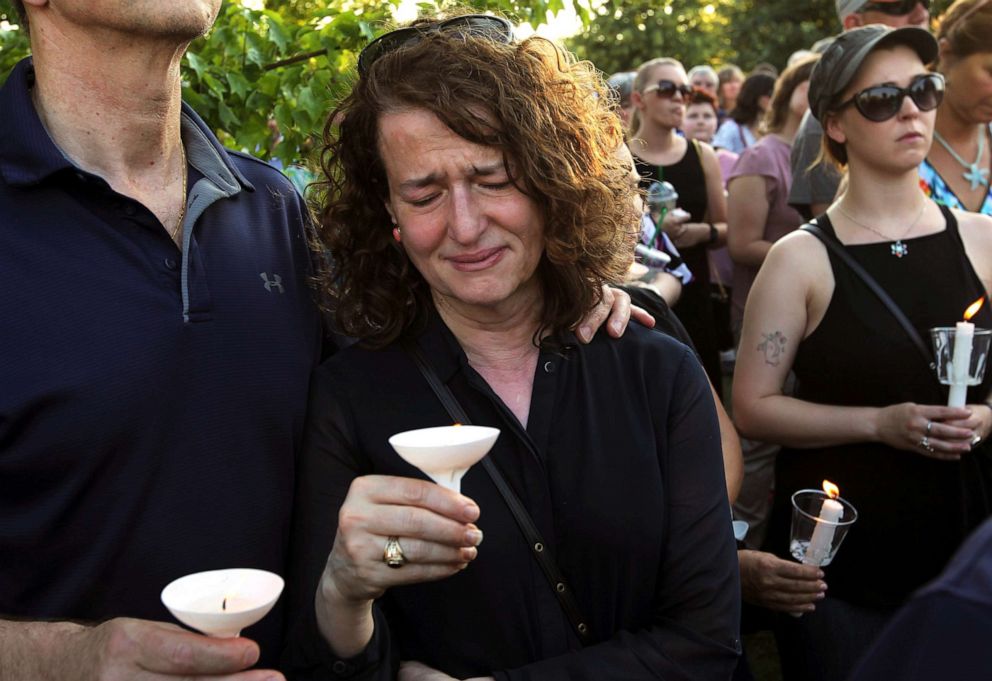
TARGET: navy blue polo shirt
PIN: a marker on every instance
(151, 400)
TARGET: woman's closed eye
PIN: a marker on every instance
(422, 202)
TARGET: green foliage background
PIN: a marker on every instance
(292, 60)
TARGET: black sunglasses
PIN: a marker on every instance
(894, 9)
(882, 102)
(667, 88)
(483, 25)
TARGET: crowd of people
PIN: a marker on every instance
(200, 371)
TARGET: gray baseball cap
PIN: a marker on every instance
(841, 61)
(845, 7)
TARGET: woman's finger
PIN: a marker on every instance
(409, 521)
(941, 450)
(419, 552)
(400, 491)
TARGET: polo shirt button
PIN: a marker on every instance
(339, 667)
(170, 263)
(129, 209)
(549, 367)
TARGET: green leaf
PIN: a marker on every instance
(227, 117)
(277, 33)
(239, 84)
(215, 85)
(196, 64)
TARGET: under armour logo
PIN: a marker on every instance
(274, 282)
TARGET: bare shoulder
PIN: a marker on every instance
(706, 150)
(974, 225)
(976, 234)
(799, 251)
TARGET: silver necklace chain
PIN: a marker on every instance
(975, 175)
(897, 248)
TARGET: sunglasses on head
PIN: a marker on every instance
(894, 9)
(667, 88)
(882, 102)
(497, 29)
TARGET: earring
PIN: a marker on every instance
(396, 234)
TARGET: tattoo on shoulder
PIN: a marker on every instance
(773, 347)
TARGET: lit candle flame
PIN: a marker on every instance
(832, 490)
(457, 424)
(974, 308)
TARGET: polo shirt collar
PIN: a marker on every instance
(27, 153)
(29, 156)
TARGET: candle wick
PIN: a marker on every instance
(223, 606)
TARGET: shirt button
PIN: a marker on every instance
(129, 209)
(170, 263)
(549, 367)
(339, 667)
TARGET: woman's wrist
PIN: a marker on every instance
(347, 625)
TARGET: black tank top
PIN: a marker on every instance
(694, 308)
(913, 511)
(690, 182)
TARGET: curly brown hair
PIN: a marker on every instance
(551, 116)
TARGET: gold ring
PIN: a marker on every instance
(392, 555)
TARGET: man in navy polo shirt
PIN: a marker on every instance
(157, 332)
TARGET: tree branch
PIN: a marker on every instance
(294, 59)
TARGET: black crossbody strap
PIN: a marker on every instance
(838, 249)
(537, 545)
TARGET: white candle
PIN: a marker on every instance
(823, 533)
(964, 334)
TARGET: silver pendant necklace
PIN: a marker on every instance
(897, 247)
(975, 175)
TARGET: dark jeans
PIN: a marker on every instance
(826, 645)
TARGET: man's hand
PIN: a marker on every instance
(122, 650)
(616, 310)
(777, 584)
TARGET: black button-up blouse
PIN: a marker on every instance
(620, 468)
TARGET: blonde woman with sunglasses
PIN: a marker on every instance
(661, 93)
(868, 413)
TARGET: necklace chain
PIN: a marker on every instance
(975, 175)
(898, 248)
(182, 211)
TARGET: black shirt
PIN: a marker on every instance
(859, 355)
(620, 467)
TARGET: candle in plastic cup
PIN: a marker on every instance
(961, 356)
(820, 521)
